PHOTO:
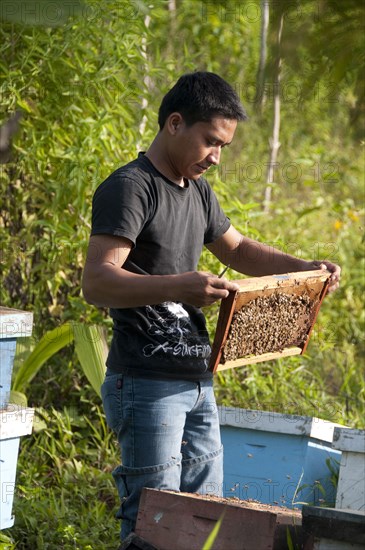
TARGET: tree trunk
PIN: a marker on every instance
(260, 77)
(274, 141)
(147, 83)
(172, 31)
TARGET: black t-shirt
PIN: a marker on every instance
(168, 226)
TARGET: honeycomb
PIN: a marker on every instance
(268, 324)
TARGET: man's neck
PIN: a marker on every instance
(162, 163)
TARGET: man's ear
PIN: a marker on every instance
(174, 122)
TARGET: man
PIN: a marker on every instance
(151, 219)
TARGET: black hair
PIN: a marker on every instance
(199, 97)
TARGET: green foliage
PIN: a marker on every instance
(335, 42)
(6, 542)
(65, 493)
(317, 492)
(40, 12)
(91, 350)
(79, 89)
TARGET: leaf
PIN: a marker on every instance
(213, 535)
(289, 540)
(24, 347)
(307, 211)
(24, 105)
(40, 420)
(91, 349)
(18, 398)
(245, 206)
(49, 344)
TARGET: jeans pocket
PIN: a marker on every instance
(111, 395)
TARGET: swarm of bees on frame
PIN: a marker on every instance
(268, 324)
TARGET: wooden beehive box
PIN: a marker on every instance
(182, 521)
(267, 318)
(333, 529)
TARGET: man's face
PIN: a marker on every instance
(195, 148)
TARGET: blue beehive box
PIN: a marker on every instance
(277, 459)
(7, 354)
(15, 421)
(13, 324)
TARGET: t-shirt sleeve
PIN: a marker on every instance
(120, 207)
(217, 221)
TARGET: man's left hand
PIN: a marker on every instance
(334, 269)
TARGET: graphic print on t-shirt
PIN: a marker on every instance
(171, 329)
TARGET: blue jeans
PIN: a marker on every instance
(168, 432)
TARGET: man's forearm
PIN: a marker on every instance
(110, 286)
(119, 288)
(257, 259)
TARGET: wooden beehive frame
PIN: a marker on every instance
(314, 283)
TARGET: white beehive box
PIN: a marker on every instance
(351, 482)
(15, 421)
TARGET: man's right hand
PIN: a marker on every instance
(107, 284)
(199, 288)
